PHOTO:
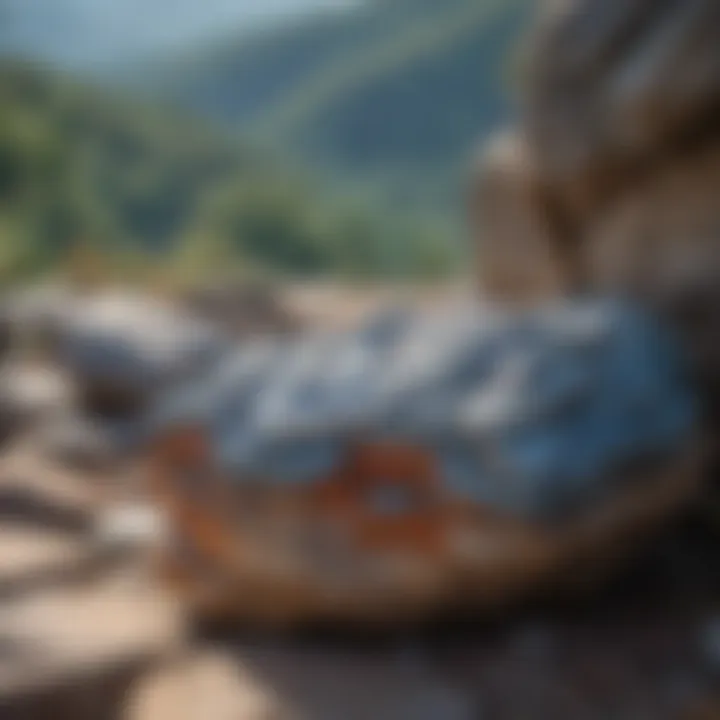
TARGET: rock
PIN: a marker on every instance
(130, 525)
(563, 396)
(241, 310)
(120, 349)
(614, 87)
(710, 644)
(30, 394)
(38, 389)
(456, 458)
(36, 315)
(290, 682)
(76, 652)
(619, 120)
(11, 421)
(80, 443)
(79, 621)
(519, 256)
(124, 350)
(660, 244)
(209, 685)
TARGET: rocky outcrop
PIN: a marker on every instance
(531, 415)
(124, 349)
(519, 258)
(620, 118)
(424, 461)
(660, 242)
(617, 87)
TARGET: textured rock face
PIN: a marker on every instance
(518, 256)
(660, 242)
(533, 415)
(621, 119)
(616, 85)
(124, 349)
(423, 462)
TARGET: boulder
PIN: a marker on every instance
(76, 652)
(30, 394)
(520, 255)
(423, 462)
(557, 394)
(124, 349)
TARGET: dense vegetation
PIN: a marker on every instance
(400, 89)
(389, 95)
(146, 188)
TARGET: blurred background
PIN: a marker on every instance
(292, 137)
(178, 178)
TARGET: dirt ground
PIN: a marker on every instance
(336, 306)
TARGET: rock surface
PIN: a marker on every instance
(519, 256)
(533, 415)
(620, 119)
(30, 395)
(102, 645)
(36, 314)
(242, 310)
(123, 349)
(79, 622)
(615, 87)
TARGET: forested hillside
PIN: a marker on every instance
(80, 167)
(242, 79)
(386, 96)
(398, 88)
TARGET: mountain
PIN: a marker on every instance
(391, 89)
(80, 166)
(389, 93)
(82, 33)
(240, 78)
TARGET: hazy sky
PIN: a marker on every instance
(78, 30)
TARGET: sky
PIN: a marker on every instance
(80, 31)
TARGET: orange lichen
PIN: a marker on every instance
(182, 447)
(371, 470)
(182, 453)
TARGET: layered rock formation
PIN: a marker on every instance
(621, 136)
(422, 462)
(519, 255)
(535, 416)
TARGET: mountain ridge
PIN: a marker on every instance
(398, 89)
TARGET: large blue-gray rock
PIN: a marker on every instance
(537, 414)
